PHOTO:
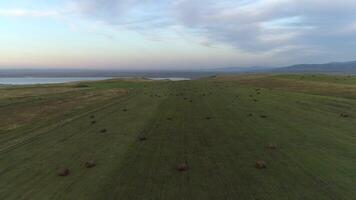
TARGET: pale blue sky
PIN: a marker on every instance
(174, 34)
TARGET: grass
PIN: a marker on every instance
(215, 125)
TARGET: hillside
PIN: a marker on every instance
(225, 137)
(334, 67)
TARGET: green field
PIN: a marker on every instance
(218, 126)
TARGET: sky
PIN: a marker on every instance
(175, 34)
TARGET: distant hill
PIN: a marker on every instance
(239, 69)
(333, 67)
(328, 68)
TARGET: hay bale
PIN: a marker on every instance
(260, 164)
(90, 164)
(81, 85)
(182, 167)
(63, 172)
(344, 115)
(272, 146)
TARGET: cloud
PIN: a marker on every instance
(27, 13)
(274, 27)
(266, 25)
(134, 14)
(259, 25)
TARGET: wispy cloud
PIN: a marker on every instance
(259, 25)
(28, 13)
(255, 26)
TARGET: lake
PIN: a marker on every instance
(52, 80)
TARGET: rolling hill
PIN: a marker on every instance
(333, 67)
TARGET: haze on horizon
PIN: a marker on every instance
(174, 34)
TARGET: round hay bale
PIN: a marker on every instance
(272, 146)
(182, 167)
(63, 172)
(260, 164)
(90, 164)
(344, 115)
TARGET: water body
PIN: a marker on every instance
(43, 80)
(56, 80)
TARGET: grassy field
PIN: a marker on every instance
(218, 126)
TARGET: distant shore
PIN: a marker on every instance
(58, 80)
